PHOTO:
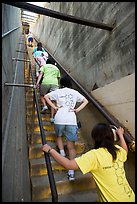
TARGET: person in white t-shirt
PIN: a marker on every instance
(65, 119)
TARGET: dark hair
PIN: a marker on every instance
(50, 60)
(39, 48)
(65, 82)
(103, 137)
(39, 44)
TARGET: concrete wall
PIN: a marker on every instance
(94, 57)
(15, 166)
(121, 101)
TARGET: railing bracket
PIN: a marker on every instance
(20, 85)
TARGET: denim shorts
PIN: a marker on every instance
(30, 39)
(70, 131)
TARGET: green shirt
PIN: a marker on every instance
(51, 74)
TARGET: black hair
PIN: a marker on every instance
(65, 82)
(50, 60)
(39, 48)
(39, 44)
(103, 137)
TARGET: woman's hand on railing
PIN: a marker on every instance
(37, 85)
(46, 148)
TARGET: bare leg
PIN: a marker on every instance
(60, 142)
(60, 145)
(72, 155)
(43, 101)
(71, 149)
(53, 111)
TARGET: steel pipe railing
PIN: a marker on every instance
(47, 157)
(20, 85)
(61, 16)
(10, 31)
(17, 59)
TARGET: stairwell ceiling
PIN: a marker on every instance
(30, 17)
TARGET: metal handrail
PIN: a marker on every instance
(10, 31)
(47, 157)
(110, 118)
(61, 16)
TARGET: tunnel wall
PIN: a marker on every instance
(15, 166)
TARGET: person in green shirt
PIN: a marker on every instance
(50, 75)
(105, 162)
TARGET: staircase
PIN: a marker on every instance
(82, 189)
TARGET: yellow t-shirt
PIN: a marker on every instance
(109, 176)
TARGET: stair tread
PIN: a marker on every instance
(53, 144)
(41, 160)
(83, 196)
(41, 186)
(60, 177)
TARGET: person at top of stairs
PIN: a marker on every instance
(30, 39)
(105, 162)
(50, 82)
(36, 54)
(38, 47)
(65, 119)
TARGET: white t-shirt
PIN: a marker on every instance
(67, 98)
(30, 35)
(42, 59)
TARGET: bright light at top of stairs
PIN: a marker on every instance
(41, 4)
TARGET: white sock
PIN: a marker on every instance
(70, 171)
(62, 152)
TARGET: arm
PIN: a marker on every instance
(37, 60)
(47, 98)
(39, 78)
(65, 162)
(123, 144)
(83, 104)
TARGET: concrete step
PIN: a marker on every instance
(47, 126)
(83, 196)
(49, 136)
(41, 188)
(44, 117)
(38, 166)
(36, 152)
(29, 108)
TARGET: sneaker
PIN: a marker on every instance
(44, 108)
(71, 177)
(52, 120)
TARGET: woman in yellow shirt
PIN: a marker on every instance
(105, 162)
